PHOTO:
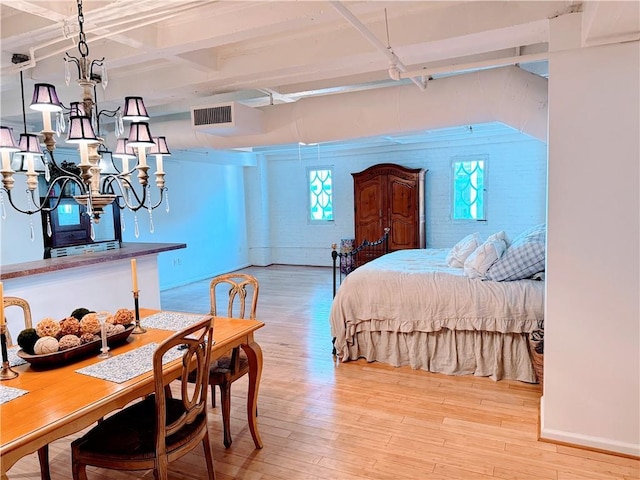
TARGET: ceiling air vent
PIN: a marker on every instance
(227, 119)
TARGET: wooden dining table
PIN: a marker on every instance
(61, 401)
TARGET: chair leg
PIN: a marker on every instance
(225, 400)
(79, 471)
(213, 396)
(43, 458)
(206, 444)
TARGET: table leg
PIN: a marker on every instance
(254, 355)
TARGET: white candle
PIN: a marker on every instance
(30, 164)
(125, 164)
(46, 120)
(142, 156)
(6, 161)
(84, 153)
(134, 274)
(159, 164)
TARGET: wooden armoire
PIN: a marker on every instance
(389, 195)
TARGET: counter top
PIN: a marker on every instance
(127, 250)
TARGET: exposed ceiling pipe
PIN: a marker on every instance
(387, 51)
(466, 67)
(493, 63)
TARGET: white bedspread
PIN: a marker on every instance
(414, 290)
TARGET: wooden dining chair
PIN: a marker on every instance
(158, 429)
(233, 365)
(43, 452)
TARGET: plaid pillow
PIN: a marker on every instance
(523, 259)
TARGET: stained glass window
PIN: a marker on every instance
(468, 190)
(321, 194)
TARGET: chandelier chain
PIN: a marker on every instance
(83, 47)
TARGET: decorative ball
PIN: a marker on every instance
(123, 316)
(46, 345)
(68, 341)
(105, 316)
(78, 313)
(69, 326)
(88, 338)
(48, 327)
(117, 328)
(111, 329)
(90, 323)
(27, 338)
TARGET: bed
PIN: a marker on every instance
(409, 307)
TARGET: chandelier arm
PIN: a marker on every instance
(162, 190)
(41, 207)
(125, 185)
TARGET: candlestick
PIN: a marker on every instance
(103, 335)
(134, 274)
(6, 373)
(2, 321)
(137, 328)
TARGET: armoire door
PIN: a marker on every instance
(370, 202)
(402, 212)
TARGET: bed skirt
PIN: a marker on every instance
(479, 353)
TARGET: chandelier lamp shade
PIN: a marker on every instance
(97, 180)
(134, 110)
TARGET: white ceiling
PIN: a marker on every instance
(178, 53)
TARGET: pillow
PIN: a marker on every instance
(501, 235)
(461, 250)
(524, 258)
(477, 264)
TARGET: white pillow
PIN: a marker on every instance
(477, 264)
(461, 250)
(501, 235)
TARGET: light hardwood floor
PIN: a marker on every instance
(320, 419)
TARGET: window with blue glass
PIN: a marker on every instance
(320, 194)
(469, 176)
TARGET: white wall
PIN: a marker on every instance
(592, 319)
(207, 212)
(516, 193)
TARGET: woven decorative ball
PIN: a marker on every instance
(123, 316)
(117, 328)
(69, 326)
(46, 345)
(112, 329)
(90, 323)
(88, 337)
(68, 341)
(48, 327)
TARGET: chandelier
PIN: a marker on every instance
(96, 181)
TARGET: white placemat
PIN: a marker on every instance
(171, 321)
(128, 365)
(14, 359)
(9, 393)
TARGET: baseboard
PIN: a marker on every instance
(600, 444)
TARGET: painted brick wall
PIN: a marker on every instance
(516, 194)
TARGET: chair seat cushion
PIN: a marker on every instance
(223, 364)
(130, 433)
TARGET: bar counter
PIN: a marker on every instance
(54, 287)
(127, 250)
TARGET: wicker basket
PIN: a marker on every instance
(537, 359)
